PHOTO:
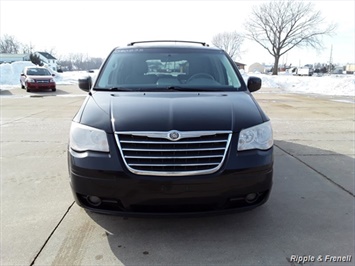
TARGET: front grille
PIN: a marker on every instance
(42, 80)
(154, 153)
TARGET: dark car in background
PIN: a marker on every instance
(37, 78)
(170, 128)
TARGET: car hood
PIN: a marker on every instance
(171, 111)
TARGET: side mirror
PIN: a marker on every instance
(85, 83)
(254, 84)
(22, 74)
(53, 75)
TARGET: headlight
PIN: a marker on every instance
(51, 80)
(85, 138)
(257, 137)
(30, 80)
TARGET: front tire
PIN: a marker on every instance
(54, 89)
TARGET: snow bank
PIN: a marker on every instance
(10, 73)
(69, 77)
(337, 85)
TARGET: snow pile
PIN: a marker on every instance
(337, 85)
(69, 77)
(341, 85)
(10, 73)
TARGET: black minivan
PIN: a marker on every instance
(170, 128)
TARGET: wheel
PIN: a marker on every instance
(54, 89)
(27, 89)
(200, 75)
(22, 87)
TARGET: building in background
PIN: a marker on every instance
(9, 58)
(48, 60)
(240, 65)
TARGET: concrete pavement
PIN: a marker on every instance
(310, 211)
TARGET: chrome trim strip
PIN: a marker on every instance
(164, 134)
(169, 142)
(178, 165)
(205, 149)
(176, 157)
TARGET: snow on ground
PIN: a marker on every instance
(337, 85)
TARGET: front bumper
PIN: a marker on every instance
(40, 86)
(123, 193)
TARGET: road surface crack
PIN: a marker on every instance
(315, 170)
(51, 234)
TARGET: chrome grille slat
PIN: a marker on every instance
(204, 164)
(169, 142)
(176, 157)
(153, 153)
(172, 150)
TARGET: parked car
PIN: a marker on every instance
(306, 70)
(170, 128)
(37, 78)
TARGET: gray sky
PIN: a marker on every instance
(96, 27)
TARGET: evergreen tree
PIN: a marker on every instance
(35, 59)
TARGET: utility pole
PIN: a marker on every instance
(330, 59)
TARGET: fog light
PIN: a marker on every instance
(252, 197)
(94, 201)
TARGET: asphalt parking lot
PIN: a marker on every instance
(309, 218)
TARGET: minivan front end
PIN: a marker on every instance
(190, 176)
(174, 140)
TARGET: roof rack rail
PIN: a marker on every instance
(133, 43)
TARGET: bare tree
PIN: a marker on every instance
(80, 61)
(27, 48)
(9, 45)
(51, 51)
(230, 42)
(279, 26)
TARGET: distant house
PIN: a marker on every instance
(48, 60)
(350, 68)
(9, 58)
(240, 65)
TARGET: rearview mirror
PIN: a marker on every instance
(254, 84)
(85, 83)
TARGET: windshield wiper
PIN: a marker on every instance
(114, 89)
(178, 88)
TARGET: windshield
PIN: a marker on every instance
(133, 69)
(38, 72)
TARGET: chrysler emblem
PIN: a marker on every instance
(174, 135)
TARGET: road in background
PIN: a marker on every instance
(310, 211)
